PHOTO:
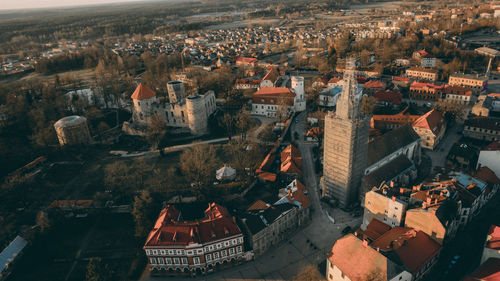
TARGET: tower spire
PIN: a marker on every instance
(350, 97)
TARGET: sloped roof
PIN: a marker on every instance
(143, 92)
(170, 230)
(488, 271)
(258, 205)
(432, 120)
(390, 142)
(374, 84)
(272, 74)
(494, 146)
(388, 96)
(275, 92)
(388, 171)
(493, 239)
(487, 175)
(375, 229)
(490, 123)
(360, 262)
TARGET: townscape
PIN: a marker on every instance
(267, 140)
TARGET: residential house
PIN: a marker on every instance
(482, 128)
(329, 96)
(388, 98)
(372, 86)
(291, 162)
(177, 246)
(476, 82)
(378, 253)
(431, 128)
(385, 205)
(425, 91)
(425, 59)
(272, 75)
(458, 94)
(272, 101)
(422, 73)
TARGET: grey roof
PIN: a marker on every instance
(258, 220)
(387, 172)
(10, 252)
(390, 142)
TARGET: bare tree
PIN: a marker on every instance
(157, 129)
(198, 163)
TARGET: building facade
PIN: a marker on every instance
(422, 73)
(477, 83)
(482, 128)
(175, 246)
(345, 144)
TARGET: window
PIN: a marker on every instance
(155, 252)
(223, 253)
(148, 252)
(196, 260)
(208, 257)
(216, 255)
(226, 243)
(184, 260)
(152, 260)
(161, 261)
(211, 247)
(171, 252)
(231, 251)
(189, 252)
(178, 252)
(176, 260)
(239, 249)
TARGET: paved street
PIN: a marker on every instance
(309, 245)
(438, 155)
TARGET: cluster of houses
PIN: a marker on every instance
(404, 229)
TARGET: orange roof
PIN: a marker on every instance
(289, 167)
(267, 162)
(258, 205)
(432, 120)
(457, 90)
(267, 176)
(314, 132)
(274, 92)
(494, 95)
(143, 92)
(247, 81)
(299, 196)
(399, 78)
(494, 146)
(357, 261)
(422, 85)
(245, 60)
(334, 80)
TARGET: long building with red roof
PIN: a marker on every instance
(193, 247)
(269, 101)
(425, 91)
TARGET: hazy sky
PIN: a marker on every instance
(29, 4)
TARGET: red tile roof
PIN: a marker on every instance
(334, 80)
(143, 92)
(258, 205)
(374, 84)
(418, 251)
(248, 81)
(494, 146)
(399, 78)
(314, 132)
(457, 90)
(273, 95)
(493, 240)
(245, 60)
(291, 160)
(169, 230)
(272, 74)
(388, 96)
(487, 175)
(271, 177)
(432, 120)
(488, 271)
(426, 86)
(375, 229)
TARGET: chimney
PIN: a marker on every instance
(393, 198)
(401, 190)
(378, 249)
(365, 243)
(391, 184)
(428, 200)
(234, 219)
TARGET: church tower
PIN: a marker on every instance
(345, 143)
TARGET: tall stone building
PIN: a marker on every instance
(345, 143)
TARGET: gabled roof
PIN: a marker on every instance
(272, 74)
(258, 205)
(432, 120)
(143, 92)
(387, 172)
(390, 142)
(487, 175)
(388, 96)
(274, 91)
(490, 123)
(375, 229)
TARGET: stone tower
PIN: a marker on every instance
(176, 91)
(197, 114)
(345, 143)
(298, 88)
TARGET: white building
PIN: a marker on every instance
(273, 101)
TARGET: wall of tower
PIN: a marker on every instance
(345, 151)
(73, 134)
(176, 91)
(197, 114)
(143, 109)
(297, 84)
